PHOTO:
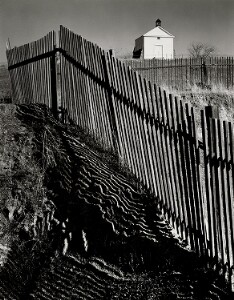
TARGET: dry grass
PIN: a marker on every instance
(217, 96)
(22, 189)
(23, 197)
(5, 85)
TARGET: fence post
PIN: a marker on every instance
(203, 73)
(111, 110)
(211, 112)
(112, 52)
(54, 101)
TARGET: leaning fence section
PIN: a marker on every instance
(30, 68)
(182, 73)
(84, 86)
(153, 134)
(218, 165)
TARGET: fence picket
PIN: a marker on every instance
(172, 137)
(159, 135)
(158, 161)
(148, 143)
(211, 144)
(223, 197)
(166, 129)
(133, 115)
(180, 222)
(229, 154)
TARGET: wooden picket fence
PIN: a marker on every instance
(154, 135)
(182, 73)
(32, 71)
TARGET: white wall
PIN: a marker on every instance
(165, 42)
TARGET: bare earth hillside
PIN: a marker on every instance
(77, 227)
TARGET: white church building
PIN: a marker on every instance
(156, 43)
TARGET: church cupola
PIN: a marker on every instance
(158, 23)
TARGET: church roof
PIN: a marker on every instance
(159, 32)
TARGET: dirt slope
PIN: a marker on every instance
(121, 248)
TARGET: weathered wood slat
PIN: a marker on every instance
(132, 116)
(143, 123)
(211, 140)
(210, 232)
(159, 185)
(172, 148)
(229, 155)
(223, 197)
(161, 152)
(140, 122)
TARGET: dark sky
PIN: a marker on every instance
(117, 23)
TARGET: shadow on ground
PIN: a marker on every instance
(121, 247)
